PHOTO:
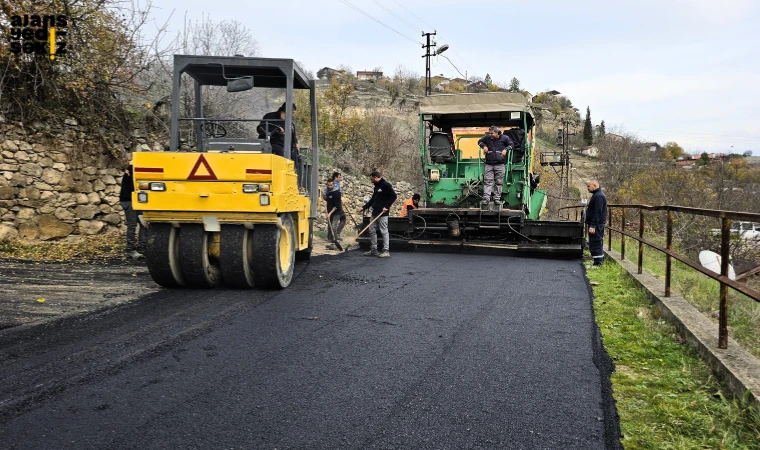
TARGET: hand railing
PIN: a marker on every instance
(725, 216)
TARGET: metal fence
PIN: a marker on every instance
(725, 216)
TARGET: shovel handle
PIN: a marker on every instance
(370, 224)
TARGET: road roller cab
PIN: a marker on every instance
(227, 210)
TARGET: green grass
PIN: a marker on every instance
(666, 396)
(704, 294)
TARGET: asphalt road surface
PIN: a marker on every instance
(415, 351)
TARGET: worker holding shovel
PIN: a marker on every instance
(383, 197)
(335, 215)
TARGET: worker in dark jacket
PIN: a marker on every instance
(596, 218)
(335, 213)
(276, 132)
(495, 147)
(125, 198)
(382, 198)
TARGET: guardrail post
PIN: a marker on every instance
(724, 255)
(641, 236)
(609, 229)
(669, 246)
(622, 238)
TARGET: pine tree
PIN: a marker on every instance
(588, 133)
(602, 130)
(514, 85)
(488, 80)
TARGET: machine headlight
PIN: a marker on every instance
(161, 187)
(142, 197)
(143, 185)
(264, 187)
(264, 200)
(250, 188)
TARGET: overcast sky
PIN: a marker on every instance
(667, 70)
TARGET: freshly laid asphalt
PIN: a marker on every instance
(415, 351)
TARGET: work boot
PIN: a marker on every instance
(135, 255)
(372, 252)
(331, 247)
(384, 254)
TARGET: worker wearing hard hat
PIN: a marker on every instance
(411, 203)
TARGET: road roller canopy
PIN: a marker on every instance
(219, 70)
(476, 109)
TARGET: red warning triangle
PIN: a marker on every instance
(194, 175)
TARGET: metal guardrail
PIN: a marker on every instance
(725, 216)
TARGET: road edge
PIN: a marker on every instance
(605, 365)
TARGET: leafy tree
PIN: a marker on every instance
(602, 130)
(556, 110)
(703, 159)
(107, 54)
(488, 80)
(673, 151)
(564, 102)
(588, 133)
(747, 153)
(514, 85)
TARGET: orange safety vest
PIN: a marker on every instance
(406, 204)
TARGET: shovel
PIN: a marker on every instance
(332, 232)
(369, 225)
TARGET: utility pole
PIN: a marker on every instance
(427, 55)
(564, 175)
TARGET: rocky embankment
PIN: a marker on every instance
(58, 181)
(355, 189)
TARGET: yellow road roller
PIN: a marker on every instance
(228, 208)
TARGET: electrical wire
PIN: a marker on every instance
(346, 2)
(396, 16)
(452, 65)
(399, 4)
(442, 39)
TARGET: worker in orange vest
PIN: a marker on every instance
(412, 203)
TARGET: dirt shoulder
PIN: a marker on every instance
(35, 292)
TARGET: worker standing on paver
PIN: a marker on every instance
(495, 148)
(596, 218)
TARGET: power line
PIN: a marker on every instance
(427, 24)
(444, 40)
(396, 16)
(376, 20)
(452, 65)
(443, 68)
(460, 57)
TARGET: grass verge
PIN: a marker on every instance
(91, 248)
(704, 294)
(666, 396)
